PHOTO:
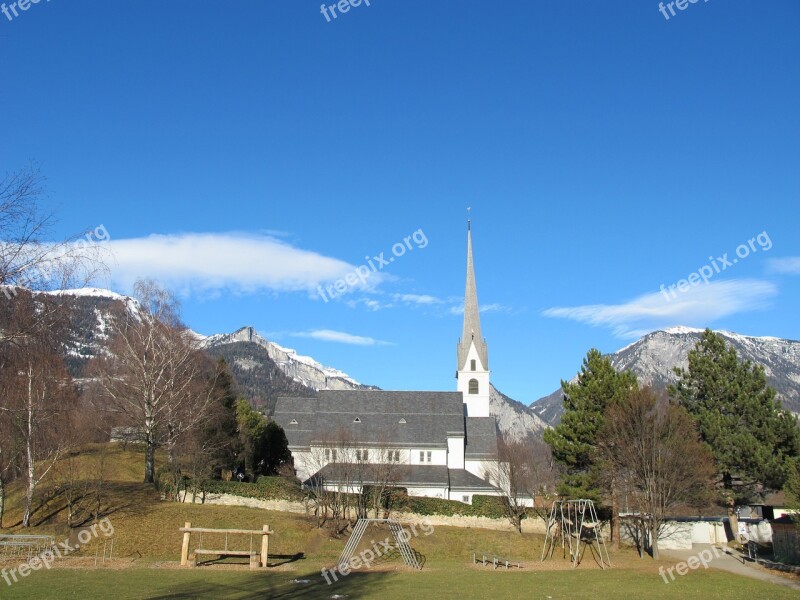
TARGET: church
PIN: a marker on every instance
(435, 444)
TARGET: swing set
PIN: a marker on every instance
(574, 523)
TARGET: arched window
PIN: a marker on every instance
(473, 386)
(473, 364)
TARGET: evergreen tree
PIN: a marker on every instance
(265, 448)
(275, 449)
(219, 433)
(252, 426)
(792, 486)
(753, 440)
(574, 440)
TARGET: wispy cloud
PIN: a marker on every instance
(341, 337)
(381, 301)
(484, 308)
(417, 299)
(699, 306)
(235, 262)
(787, 266)
(370, 304)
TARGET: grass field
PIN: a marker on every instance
(147, 547)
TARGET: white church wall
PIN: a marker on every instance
(477, 404)
(302, 462)
(428, 492)
(420, 456)
(480, 468)
(455, 452)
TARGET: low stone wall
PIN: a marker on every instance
(528, 525)
(232, 500)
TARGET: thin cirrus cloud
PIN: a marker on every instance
(699, 306)
(340, 337)
(213, 262)
(495, 307)
(417, 299)
(786, 266)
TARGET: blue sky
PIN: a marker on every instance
(246, 152)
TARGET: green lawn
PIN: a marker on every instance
(147, 547)
(447, 580)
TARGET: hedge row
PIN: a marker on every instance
(279, 488)
(265, 488)
(482, 506)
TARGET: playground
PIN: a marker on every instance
(149, 546)
(149, 540)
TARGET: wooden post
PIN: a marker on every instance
(265, 546)
(185, 548)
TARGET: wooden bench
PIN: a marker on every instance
(258, 558)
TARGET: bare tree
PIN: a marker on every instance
(654, 448)
(154, 376)
(382, 473)
(28, 259)
(39, 393)
(340, 470)
(522, 472)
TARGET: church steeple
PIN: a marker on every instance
(471, 331)
(473, 355)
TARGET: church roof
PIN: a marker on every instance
(481, 443)
(409, 475)
(400, 475)
(471, 332)
(372, 418)
(462, 480)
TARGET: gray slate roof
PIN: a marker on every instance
(401, 475)
(415, 475)
(464, 481)
(429, 418)
(481, 438)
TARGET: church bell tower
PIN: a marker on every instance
(473, 356)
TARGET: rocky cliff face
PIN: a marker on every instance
(654, 357)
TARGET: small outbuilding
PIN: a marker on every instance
(786, 540)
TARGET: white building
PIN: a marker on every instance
(436, 444)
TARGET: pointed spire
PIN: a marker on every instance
(472, 320)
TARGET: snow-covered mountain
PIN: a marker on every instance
(654, 357)
(262, 369)
(514, 419)
(302, 369)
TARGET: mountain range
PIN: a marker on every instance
(654, 357)
(265, 370)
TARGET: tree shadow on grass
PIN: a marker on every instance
(277, 585)
(275, 560)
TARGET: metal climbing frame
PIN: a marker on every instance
(18, 546)
(401, 542)
(575, 521)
